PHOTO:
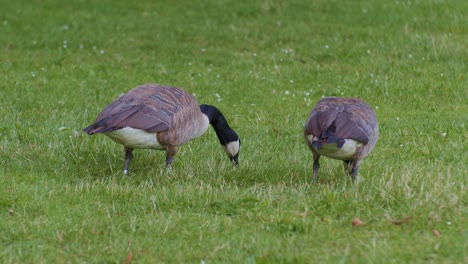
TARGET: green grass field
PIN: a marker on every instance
(264, 64)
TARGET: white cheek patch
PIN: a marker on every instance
(232, 148)
(135, 138)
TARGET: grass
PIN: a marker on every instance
(63, 197)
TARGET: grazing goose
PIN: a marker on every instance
(152, 116)
(341, 128)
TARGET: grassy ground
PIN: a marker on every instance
(63, 197)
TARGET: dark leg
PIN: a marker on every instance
(170, 153)
(354, 173)
(316, 166)
(354, 170)
(128, 158)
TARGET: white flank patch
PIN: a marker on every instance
(232, 148)
(135, 138)
(331, 150)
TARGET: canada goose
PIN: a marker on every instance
(152, 116)
(341, 128)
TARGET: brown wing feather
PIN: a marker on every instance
(321, 117)
(353, 119)
(151, 107)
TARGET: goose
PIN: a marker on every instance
(152, 116)
(341, 128)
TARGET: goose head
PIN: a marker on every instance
(228, 138)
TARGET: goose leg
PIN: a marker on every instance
(316, 166)
(355, 168)
(351, 168)
(128, 158)
(170, 154)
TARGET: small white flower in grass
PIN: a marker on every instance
(218, 97)
(291, 81)
(401, 145)
(190, 64)
(65, 44)
(397, 119)
(327, 47)
(376, 108)
(371, 75)
(276, 67)
(444, 134)
(255, 54)
(209, 69)
(33, 74)
(101, 52)
(442, 75)
(218, 76)
(369, 52)
(203, 50)
(286, 92)
(306, 93)
(410, 56)
(449, 223)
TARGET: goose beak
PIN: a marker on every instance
(235, 160)
(232, 150)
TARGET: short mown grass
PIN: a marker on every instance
(64, 198)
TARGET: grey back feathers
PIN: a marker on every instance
(153, 116)
(150, 107)
(341, 128)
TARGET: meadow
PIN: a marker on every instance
(264, 64)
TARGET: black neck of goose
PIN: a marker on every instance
(223, 130)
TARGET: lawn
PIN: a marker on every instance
(264, 64)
